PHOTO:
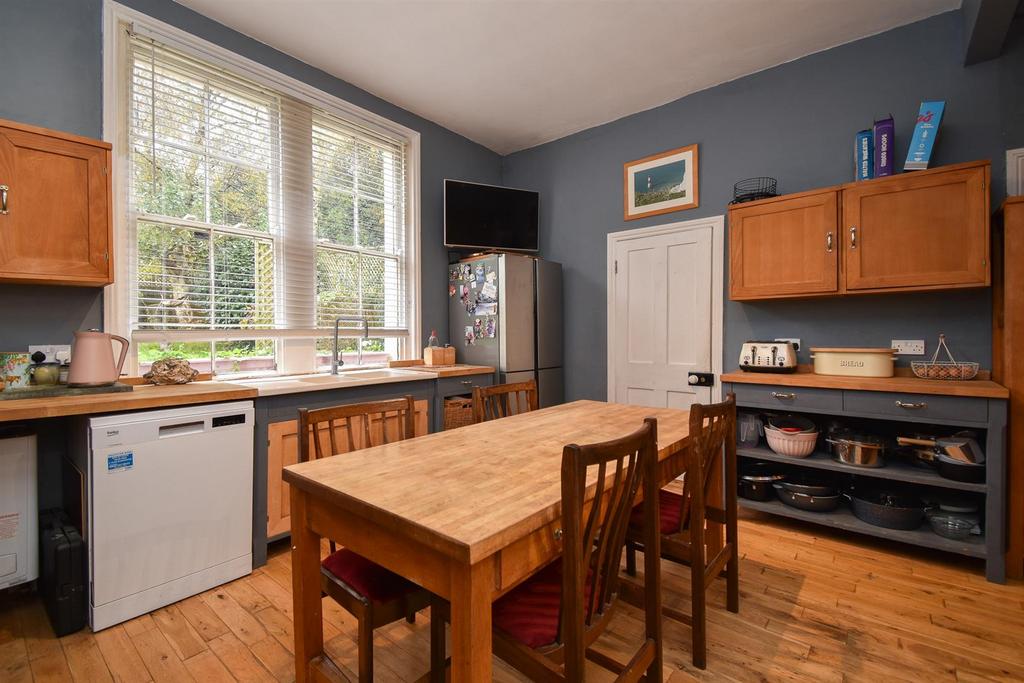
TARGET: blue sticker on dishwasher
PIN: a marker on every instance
(120, 461)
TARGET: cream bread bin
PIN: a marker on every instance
(853, 362)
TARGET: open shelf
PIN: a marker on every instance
(894, 470)
(843, 518)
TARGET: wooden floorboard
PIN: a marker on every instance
(815, 605)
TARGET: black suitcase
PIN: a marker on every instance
(62, 572)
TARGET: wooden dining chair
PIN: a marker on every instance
(546, 625)
(683, 518)
(371, 593)
(503, 400)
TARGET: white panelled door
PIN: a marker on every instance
(660, 315)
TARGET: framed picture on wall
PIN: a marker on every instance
(660, 183)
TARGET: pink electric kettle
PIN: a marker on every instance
(92, 359)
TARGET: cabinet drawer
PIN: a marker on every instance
(916, 406)
(447, 386)
(788, 398)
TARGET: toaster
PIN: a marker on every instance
(768, 356)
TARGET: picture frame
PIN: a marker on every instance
(661, 183)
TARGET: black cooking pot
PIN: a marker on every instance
(805, 501)
(887, 509)
(809, 485)
(756, 481)
(959, 471)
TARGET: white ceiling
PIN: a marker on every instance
(512, 74)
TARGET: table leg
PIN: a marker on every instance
(472, 589)
(306, 599)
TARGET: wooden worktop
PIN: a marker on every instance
(146, 396)
(804, 377)
(457, 370)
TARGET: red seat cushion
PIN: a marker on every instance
(366, 577)
(529, 612)
(670, 509)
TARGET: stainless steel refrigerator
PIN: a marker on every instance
(505, 310)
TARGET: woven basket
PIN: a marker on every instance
(458, 412)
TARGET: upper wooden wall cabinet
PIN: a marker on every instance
(55, 208)
(903, 233)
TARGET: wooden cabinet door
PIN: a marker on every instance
(784, 248)
(925, 230)
(283, 450)
(57, 227)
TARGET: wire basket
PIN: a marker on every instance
(750, 189)
(458, 412)
(951, 369)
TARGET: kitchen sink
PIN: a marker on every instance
(375, 374)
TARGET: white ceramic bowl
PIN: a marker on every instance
(798, 445)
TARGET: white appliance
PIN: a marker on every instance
(169, 505)
(768, 356)
(19, 518)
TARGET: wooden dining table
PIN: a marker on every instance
(467, 513)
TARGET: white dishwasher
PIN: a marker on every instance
(169, 505)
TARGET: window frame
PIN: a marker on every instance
(116, 303)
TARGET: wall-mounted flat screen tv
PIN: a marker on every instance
(490, 217)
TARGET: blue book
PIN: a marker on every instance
(929, 116)
(863, 156)
(885, 138)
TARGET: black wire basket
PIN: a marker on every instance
(754, 188)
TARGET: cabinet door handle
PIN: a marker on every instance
(911, 406)
(557, 533)
(3, 200)
(783, 396)
(828, 242)
(853, 237)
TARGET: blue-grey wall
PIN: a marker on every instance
(52, 53)
(794, 122)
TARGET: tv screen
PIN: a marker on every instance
(489, 217)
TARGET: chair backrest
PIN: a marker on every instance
(364, 425)
(503, 400)
(594, 536)
(712, 437)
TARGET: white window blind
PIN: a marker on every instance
(252, 214)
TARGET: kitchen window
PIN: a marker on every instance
(254, 215)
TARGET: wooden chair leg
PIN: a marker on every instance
(365, 642)
(732, 569)
(410, 618)
(631, 558)
(437, 645)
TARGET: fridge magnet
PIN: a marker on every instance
(473, 284)
(480, 272)
(489, 332)
(478, 328)
(491, 275)
(464, 294)
(467, 271)
(486, 308)
(451, 290)
(660, 183)
(470, 338)
(489, 292)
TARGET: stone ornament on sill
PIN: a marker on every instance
(171, 371)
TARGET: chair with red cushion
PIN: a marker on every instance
(682, 518)
(371, 593)
(546, 625)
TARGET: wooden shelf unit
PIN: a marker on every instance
(884, 401)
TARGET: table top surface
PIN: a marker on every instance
(901, 383)
(473, 490)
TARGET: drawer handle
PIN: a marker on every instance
(466, 382)
(783, 396)
(911, 406)
(853, 237)
(828, 242)
(3, 200)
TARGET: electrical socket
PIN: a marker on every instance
(796, 342)
(51, 351)
(908, 347)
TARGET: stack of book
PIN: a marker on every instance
(873, 147)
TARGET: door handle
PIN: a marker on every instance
(828, 242)
(911, 406)
(853, 237)
(701, 379)
(3, 200)
(783, 396)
